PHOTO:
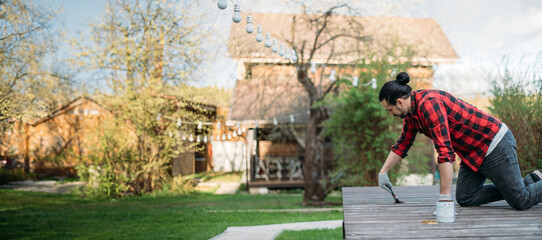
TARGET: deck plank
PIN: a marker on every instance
(371, 213)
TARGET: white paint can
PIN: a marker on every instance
(445, 211)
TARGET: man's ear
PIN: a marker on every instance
(400, 102)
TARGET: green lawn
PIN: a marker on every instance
(324, 234)
(27, 215)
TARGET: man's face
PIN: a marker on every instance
(399, 110)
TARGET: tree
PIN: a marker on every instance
(29, 87)
(145, 51)
(325, 32)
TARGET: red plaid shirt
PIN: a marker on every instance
(452, 124)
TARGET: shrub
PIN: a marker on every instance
(517, 97)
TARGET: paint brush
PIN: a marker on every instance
(395, 197)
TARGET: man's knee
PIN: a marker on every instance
(519, 204)
(464, 200)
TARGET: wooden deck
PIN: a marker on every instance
(371, 213)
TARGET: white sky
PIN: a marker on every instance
(481, 31)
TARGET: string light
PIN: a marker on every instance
(236, 18)
(281, 51)
(200, 125)
(267, 40)
(222, 4)
(332, 76)
(250, 27)
(313, 67)
(179, 122)
(290, 56)
(294, 56)
(292, 119)
(259, 36)
(355, 82)
(275, 48)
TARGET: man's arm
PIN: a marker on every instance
(446, 170)
(392, 159)
(436, 117)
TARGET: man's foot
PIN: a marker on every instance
(536, 175)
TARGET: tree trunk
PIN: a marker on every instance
(314, 190)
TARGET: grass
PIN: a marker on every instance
(324, 234)
(31, 215)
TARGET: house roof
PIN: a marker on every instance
(66, 107)
(275, 92)
(190, 105)
(424, 35)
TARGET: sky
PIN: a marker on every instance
(482, 32)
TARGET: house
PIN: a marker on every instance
(267, 92)
(55, 144)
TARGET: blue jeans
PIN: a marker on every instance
(501, 166)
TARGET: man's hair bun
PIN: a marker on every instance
(402, 78)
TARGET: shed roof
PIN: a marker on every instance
(423, 35)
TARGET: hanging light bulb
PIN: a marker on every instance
(373, 83)
(170, 134)
(281, 51)
(355, 82)
(243, 129)
(275, 122)
(275, 48)
(158, 117)
(218, 125)
(218, 137)
(294, 56)
(234, 134)
(256, 124)
(292, 119)
(332, 76)
(205, 139)
(287, 53)
(239, 128)
(259, 36)
(267, 40)
(197, 139)
(200, 125)
(184, 137)
(313, 67)
(179, 122)
(250, 27)
(191, 138)
(223, 136)
(222, 4)
(229, 135)
(236, 14)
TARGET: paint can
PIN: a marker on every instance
(445, 211)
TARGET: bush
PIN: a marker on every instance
(360, 131)
(517, 97)
(17, 174)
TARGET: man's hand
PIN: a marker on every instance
(384, 182)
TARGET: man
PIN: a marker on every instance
(485, 145)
